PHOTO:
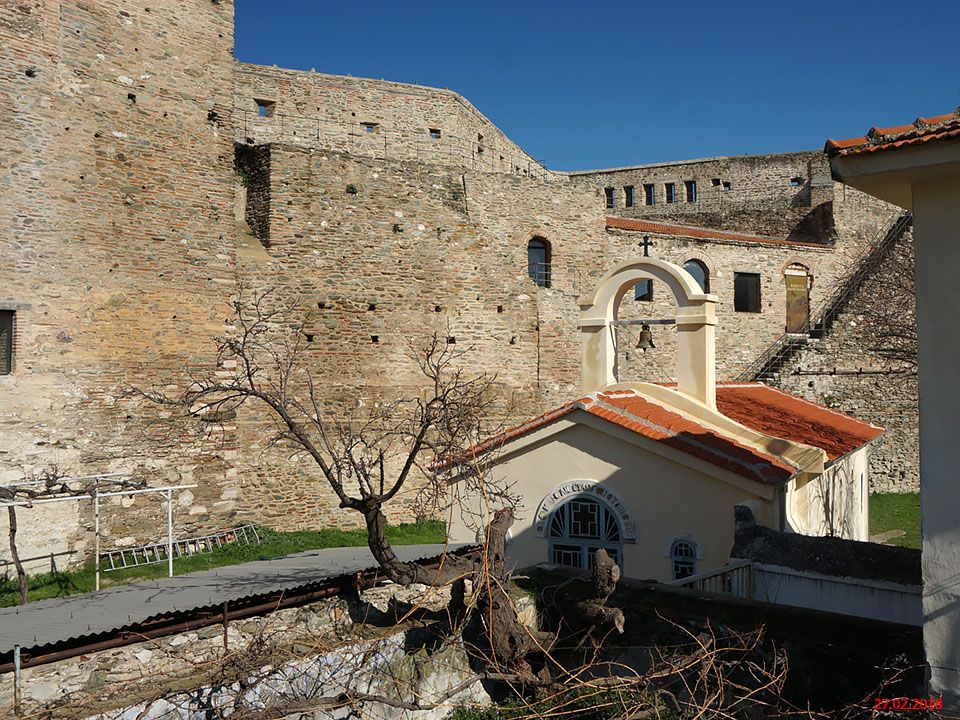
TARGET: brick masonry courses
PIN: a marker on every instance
(129, 231)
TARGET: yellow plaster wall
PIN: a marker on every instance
(664, 498)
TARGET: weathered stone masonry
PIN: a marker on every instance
(148, 176)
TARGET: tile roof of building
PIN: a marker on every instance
(754, 405)
(696, 232)
(774, 412)
(922, 130)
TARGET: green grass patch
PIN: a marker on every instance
(896, 511)
(275, 544)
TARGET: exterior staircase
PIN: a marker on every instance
(820, 321)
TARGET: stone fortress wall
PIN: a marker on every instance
(151, 176)
(781, 196)
(117, 247)
(372, 118)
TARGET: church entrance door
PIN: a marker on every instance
(798, 301)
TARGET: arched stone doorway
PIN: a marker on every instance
(797, 279)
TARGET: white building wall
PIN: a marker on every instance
(872, 599)
(835, 503)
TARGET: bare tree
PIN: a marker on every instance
(263, 362)
(889, 311)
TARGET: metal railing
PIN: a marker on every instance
(540, 273)
(735, 578)
(821, 319)
(378, 142)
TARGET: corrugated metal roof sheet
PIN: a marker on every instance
(51, 621)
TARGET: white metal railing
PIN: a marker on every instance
(735, 578)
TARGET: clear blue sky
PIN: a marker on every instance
(588, 85)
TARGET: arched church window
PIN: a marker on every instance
(579, 528)
(699, 272)
(538, 261)
(683, 556)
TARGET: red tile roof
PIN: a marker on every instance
(754, 405)
(774, 412)
(922, 130)
(696, 232)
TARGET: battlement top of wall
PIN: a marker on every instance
(345, 81)
(797, 154)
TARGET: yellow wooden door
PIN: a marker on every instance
(798, 303)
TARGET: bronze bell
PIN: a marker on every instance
(646, 339)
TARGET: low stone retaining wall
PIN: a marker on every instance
(294, 656)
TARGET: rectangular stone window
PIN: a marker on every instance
(643, 291)
(628, 200)
(796, 182)
(479, 144)
(649, 196)
(434, 133)
(715, 182)
(265, 108)
(690, 186)
(746, 292)
(370, 127)
(670, 192)
(726, 186)
(6, 341)
(608, 196)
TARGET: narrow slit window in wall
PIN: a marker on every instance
(6, 341)
(691, 189)
(608, 197)
(670, 192)
(538, 261)
(628, 199)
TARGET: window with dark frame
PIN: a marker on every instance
(746, 292)
(726, 186)
(691, 189)
(434, 133)
(796, 181)
(608, 197)
(643, 291)
(649, 196)
(670, 192)
(628, 196)
(6, 341)
(580, 527)
(700, 273)
(538, 261)
(715, 182)
(265, 108)
(369, 127)
(683, 556)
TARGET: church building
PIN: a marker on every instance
(652, 473)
